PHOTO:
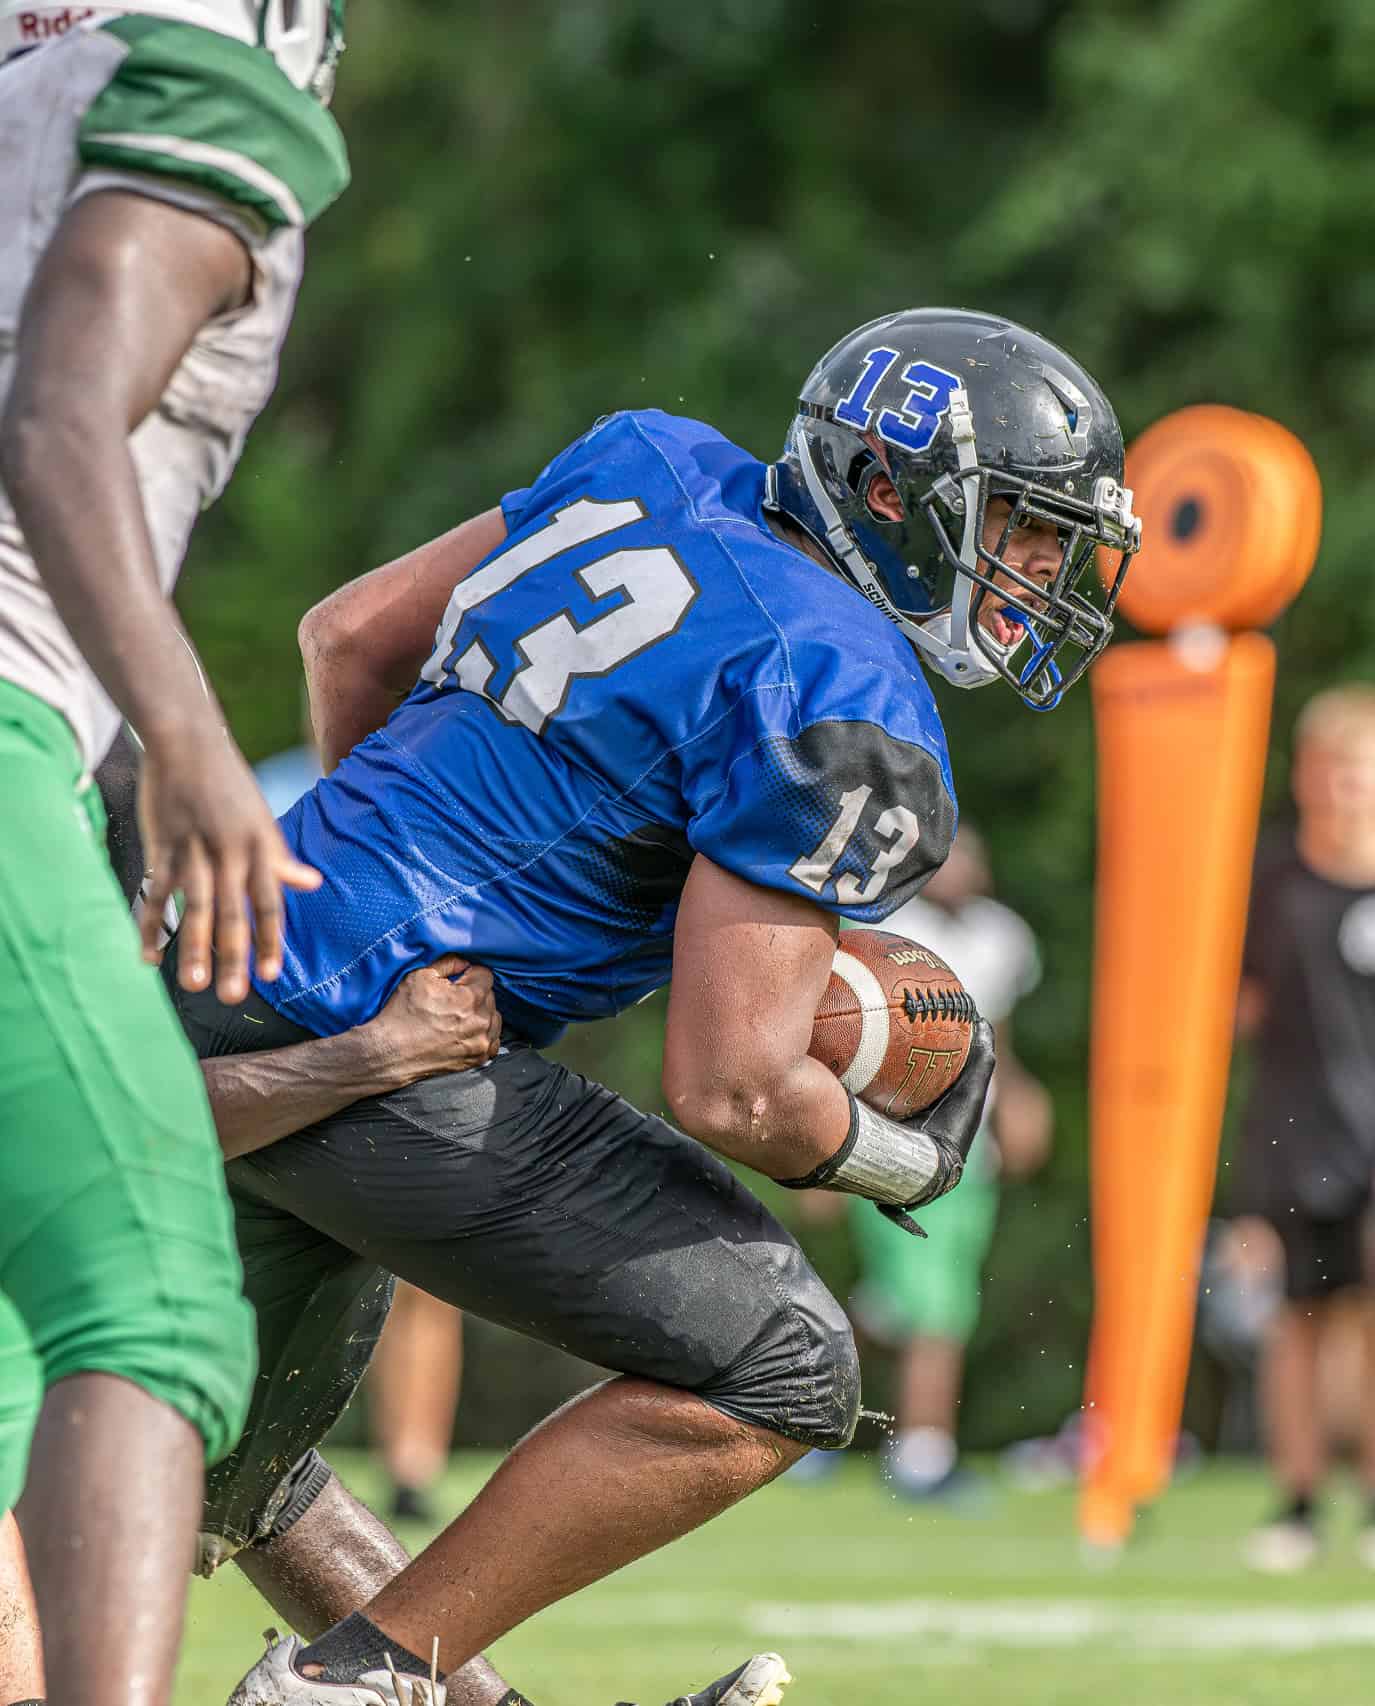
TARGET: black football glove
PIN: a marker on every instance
(952, 1123)
(900, 1164)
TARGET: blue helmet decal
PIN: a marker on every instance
(917, 418)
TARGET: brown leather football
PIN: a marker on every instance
(894, 1024)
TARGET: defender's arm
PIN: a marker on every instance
(124, 286)
(364, 645)
(749, 968)
(431, 1025)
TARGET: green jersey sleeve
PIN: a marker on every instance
(189, 104)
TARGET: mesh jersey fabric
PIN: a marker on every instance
(642, 672)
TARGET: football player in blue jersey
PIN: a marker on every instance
(661, 712)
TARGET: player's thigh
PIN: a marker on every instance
(319, 1310)
(115, 1242)
(548, 1204)
(21, 1392)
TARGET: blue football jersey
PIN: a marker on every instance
(642, 672)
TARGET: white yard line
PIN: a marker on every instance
(1143, 1625)
(951, 1629)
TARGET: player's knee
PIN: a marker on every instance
(837, 1410)
(800, 1377)
(248, 1502)
(195, 1353)
(232, 1341)
(211, 1380)
(21, 1393)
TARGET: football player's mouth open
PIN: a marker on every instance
(1033, 551)
(1007, 629)
(1003, 631)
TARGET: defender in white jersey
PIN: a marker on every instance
(160, 167)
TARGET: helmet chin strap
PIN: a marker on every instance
(945, 639)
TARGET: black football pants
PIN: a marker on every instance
(536, 1199)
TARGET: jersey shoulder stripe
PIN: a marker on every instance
(196, 106)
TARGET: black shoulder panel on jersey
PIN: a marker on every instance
(846, 813)
(641, 875)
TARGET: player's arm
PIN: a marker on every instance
(749, 968)
(1257, 953)
(1251, 1005)
(1023, 1116)
(364, 645)
(430, 1025)
(124, 286)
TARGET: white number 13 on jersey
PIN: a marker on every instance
(898, 826)
(657, 589)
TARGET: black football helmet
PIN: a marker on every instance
(957, 408)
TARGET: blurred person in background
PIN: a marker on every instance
(413, 1389)
(924, 1301)
(1308, 1137)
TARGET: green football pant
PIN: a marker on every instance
(928, 1287)
(117, 1248)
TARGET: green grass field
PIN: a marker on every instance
(872, 1600)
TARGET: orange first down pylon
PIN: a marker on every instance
(1230, 506)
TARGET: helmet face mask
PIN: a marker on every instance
(958, 410)
(1065, 616)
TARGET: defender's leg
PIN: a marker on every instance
(109, 1516)
(115, 1244)
(309, 1547)
(21, 1394)
(413, 1396)
(21, 1643)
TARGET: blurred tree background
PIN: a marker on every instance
(568, 207)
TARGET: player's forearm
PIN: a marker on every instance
(72, 483)
(258, 1098)
(804, 1131)
(784, 1121)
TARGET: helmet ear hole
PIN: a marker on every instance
(863, 466)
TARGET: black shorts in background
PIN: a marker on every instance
(1324, 1256)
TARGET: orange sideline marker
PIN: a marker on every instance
(1230, 506)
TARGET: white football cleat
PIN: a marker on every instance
(759, 1682)
(275, 1681)
(1281, 1548)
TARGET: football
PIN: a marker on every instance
(894, 1024)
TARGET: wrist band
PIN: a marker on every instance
(886, 1161)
